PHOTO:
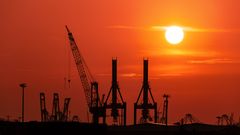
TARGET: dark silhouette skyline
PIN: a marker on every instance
(201, 73)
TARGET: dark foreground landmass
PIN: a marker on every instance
(74, 128)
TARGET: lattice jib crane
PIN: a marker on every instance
(89, 85)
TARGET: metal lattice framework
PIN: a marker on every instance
(43, 109)
(56, 113)
(64, 116)
(82, 68)
(164, 118)
(90, 86)
(225, 119)
(189, 119)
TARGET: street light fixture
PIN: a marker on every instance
(23, 85)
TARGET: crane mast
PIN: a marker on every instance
(145, 105)
(89, 85)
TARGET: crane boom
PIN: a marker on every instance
(80, 63)
(89, 85)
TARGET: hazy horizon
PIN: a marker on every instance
(201, 74)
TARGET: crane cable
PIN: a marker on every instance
(67, 67)
(65, 62)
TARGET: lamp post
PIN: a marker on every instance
(23, 85)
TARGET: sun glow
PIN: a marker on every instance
(174, 34)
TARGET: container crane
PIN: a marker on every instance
(64, 115)
(115, 103)
(146, 103)
(43, 109)
(56, 113)
(164, 118)
(90, 86)
(187, 119)
(225, 119)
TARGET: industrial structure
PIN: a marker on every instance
(57, 114)
(187, 119)
(90, 86)
(146, 105)
(115, 103)
(163, 119)
(43, 109)
(114, 100)
(55, 108)
(225, 120)
(65, 112)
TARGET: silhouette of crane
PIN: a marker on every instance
(43, 109)
(187, 119)
(114, 105)
(90, 86)
(146, 104)
(164, 118)
(55, 108)
(225, 120)
(57, 113)
(65, 112)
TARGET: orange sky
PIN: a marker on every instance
(201, 74)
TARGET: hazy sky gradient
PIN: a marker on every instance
(201, 74)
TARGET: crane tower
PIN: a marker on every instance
(114, 105)
(90, 86)
(146, 105)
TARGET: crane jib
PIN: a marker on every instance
(80, 67)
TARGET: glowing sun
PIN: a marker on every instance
(174, 34)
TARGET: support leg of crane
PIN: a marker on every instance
(95, 117)
(125, 114)
(104, 119)
(135, 114)
(155, 112)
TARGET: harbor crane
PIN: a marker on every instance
(43, 109)
(115, 103)
(164, 117)
(225, 120)
(148, 103)
(187, 119)
(57, 114)
(90, 86)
